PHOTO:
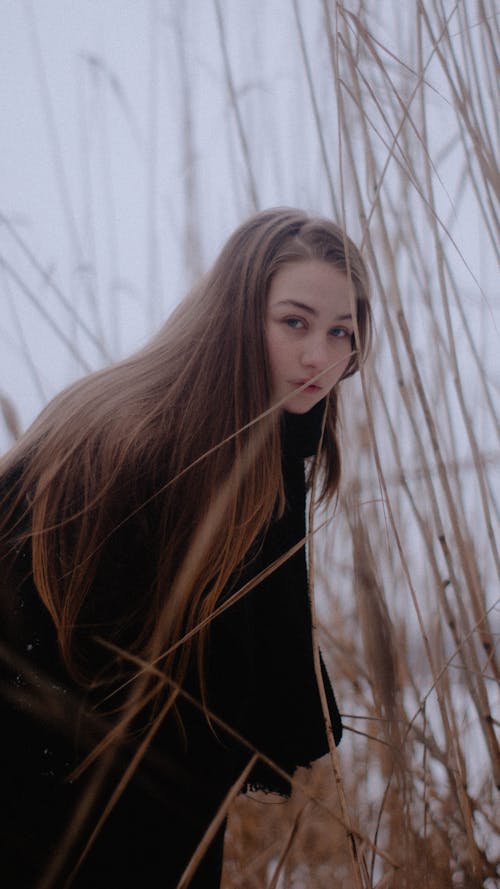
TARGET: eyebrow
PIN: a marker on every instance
(309, 309)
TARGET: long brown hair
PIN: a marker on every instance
(175, 445)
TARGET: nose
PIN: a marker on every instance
(315, 354)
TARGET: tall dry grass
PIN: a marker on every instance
(408, 570)
(401, 104)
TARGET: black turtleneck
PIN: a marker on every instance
(301, 433)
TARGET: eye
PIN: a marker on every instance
(294, 323)
(339, 332)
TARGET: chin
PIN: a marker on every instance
(296, 406)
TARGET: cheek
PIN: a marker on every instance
(274, 350)
(340, 360)
(344, 359)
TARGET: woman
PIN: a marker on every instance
(155, 611)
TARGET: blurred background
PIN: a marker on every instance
(135, 137)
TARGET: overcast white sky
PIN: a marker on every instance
(114, 115)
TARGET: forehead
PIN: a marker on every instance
(314, 282)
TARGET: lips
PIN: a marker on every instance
(313, 387)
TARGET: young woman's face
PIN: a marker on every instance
(309, 327)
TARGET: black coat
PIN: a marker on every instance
(261, 681)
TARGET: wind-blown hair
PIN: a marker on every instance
(172, 451)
